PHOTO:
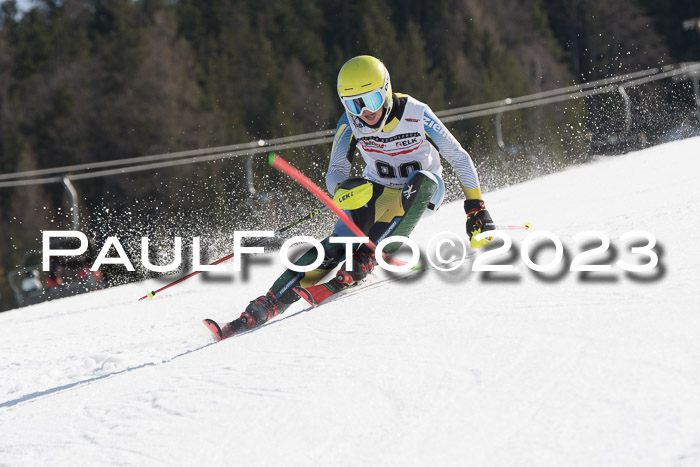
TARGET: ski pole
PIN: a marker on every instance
(311, 215)
(525, 226)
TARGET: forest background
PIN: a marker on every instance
(96, 80)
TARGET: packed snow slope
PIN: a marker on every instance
(446, 369)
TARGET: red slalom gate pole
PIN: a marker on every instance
(285, 167)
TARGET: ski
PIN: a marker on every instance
(316, 294)
(228, 330)
(214, 327)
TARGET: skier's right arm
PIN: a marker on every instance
(342, 153)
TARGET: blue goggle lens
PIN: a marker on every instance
(371, 102)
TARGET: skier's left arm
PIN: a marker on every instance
(478, 218)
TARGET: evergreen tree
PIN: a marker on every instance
(668, 18)
(605, 38)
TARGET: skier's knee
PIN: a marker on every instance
(425, 178)
(421, 179)
(421, 184)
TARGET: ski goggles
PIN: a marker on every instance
(371, 101)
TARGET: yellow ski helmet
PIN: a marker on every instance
(362, 81)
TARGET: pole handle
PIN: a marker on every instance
(525, 226)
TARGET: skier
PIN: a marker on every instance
(401, 141)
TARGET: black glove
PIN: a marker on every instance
(478, 218)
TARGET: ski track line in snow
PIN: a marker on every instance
(65, 387)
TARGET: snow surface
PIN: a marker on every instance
(459, 368)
